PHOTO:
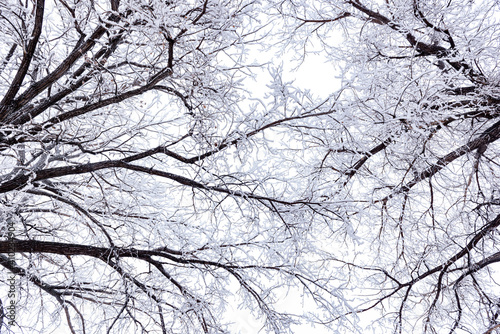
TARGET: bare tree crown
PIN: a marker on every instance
(141, 191)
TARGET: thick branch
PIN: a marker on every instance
(39, 86)
(106, 102)
(354, 169)
(26, 61)
(421, 47)
(490, 135)
(464, 251)
(29, 112)
(105, 254)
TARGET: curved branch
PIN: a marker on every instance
(464, 251)
(39, 86)
(26, 61)
(489, 136)
(420, 47)
(101, 104)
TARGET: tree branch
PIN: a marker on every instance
(26, 61)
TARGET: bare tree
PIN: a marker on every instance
(140, 192)
(132, 199)
(413, 148)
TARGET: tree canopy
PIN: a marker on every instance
(147, 187)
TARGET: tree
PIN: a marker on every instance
(412, 150)
(141, 192)
(126, 183)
